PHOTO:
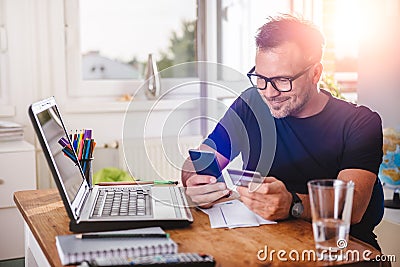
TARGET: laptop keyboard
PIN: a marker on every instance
(131, 201)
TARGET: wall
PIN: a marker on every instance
(379, 86)
(20, 88)
(379, 67)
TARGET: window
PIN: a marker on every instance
(109, 42)
(343, 30)
(248, 16)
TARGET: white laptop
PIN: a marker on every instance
(101, 208)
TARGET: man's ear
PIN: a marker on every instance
(317, 72)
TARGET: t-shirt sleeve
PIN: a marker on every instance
(363, 143)
(227, 134)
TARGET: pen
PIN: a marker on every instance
(143, 235)
(88, 134)
(63, 142)
(69, 153)
(75, 145)
(164, 182)
(85, 154)
(138, 183)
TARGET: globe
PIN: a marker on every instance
(389, 171)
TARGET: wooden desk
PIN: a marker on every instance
(46, 217)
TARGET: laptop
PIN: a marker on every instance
(103, 208)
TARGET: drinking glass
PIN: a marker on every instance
(331, 203)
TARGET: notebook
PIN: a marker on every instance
(72, 249)
(137, 205)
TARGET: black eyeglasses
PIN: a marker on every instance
(280, 83)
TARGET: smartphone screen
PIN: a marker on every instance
(205, 163)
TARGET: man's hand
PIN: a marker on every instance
(270, 200)
(204, 190)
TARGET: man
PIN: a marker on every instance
(317, 136)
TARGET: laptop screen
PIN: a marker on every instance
(49, 121)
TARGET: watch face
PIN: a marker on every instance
(297, 209)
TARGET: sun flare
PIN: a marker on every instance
(347, 28)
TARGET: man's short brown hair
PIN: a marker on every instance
(288, 28)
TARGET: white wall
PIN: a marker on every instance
(379, 68)
(20, 88)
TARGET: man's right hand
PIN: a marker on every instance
(204, 190)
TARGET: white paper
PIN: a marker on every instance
(216, 220)
(261, 220)
(238, 215)
(232, 214)
(9, 124)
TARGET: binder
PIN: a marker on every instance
(73, 249)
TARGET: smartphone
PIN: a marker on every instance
(244, 177)
(205, 163)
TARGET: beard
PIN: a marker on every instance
(291, 105)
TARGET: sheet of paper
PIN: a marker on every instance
(233, 214)
(216, 220)
(261, 220)
(238, 215)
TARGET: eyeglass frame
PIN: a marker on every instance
(269, 80)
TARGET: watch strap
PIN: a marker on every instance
(296, 200)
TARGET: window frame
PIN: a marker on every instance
(110, 88)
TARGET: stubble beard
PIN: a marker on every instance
(291, 108)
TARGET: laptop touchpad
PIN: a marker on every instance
(161, 193)
(163, 209)
(163, 204)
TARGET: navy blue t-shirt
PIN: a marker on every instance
(296, 150)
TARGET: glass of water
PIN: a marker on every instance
(331, 202)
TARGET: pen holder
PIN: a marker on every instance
(87, 169)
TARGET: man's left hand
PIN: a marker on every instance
(270, 200)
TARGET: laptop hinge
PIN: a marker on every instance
(78, 209)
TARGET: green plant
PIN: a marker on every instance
(329, 83)
(111, 174)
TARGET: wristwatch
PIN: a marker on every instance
(297, 208)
